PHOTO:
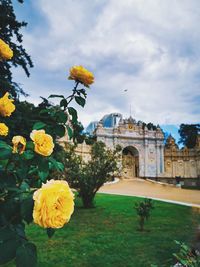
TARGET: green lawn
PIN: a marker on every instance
(107, 235)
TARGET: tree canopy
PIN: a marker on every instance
(189, 133)
(88, 176)
(10, 33)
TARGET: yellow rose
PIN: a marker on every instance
(19, 144)
(6, 105)
(5, 51)
(3, 129)
(43, 142)
(80, 74)
(53, 204)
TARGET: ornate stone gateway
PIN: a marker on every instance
(130, 162)
(142, 149)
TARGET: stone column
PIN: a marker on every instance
(162, 158)
(158, 167)
(146, 158)
(141, 162)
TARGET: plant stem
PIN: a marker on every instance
(74, 92)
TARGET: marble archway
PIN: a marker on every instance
(130, 162)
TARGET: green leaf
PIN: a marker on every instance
(70, 132)
(80, 100)
(7, 179)
(73, 113)
(60, 130)
(24, 186)
(8, 244)
(43, 111)
(30, 145)
(57, 165)
(61, 117)
(43, 176)
(3, 164)
(5, 152)
(10, 166)
(43, 165)
(29, 154)
(60, 166)
(50, 232)
(4, 145)
(20, 230)
(27, 209)
(39, 125)
(43, 169)
(83, 92)
(26, 255)
(63, 103)
(52, 96)
(23, 169)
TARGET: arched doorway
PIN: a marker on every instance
(130, 162)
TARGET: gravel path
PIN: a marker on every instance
(143, 188)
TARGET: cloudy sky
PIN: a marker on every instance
(143, 53)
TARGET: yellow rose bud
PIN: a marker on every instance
(80, 74)
(3, 129)
(5, 51)
(19, 144)
(43, 142)
(53, 204)
(6, 105)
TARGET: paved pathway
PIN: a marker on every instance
(140, 187)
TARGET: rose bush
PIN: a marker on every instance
(25, 165)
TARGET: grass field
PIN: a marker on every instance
(107, 235)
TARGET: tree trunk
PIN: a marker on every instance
(141, 222)
(88, 201)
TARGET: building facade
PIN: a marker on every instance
(181, 162)
(142, 149)
(144, 152)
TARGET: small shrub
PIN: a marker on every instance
(88, 176)
(143, 209)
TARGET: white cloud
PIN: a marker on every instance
(150, 47)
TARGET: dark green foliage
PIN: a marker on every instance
(26, 207)
(72, 164)
(78, 135)
(143, 209)
(26, 255)
(8, 244)
(150, 126)
(90, 139)
(88, 177)
(80, 100)
(10, 29)
(189, 133)
(44, 116)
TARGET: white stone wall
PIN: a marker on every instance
(149, 145)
